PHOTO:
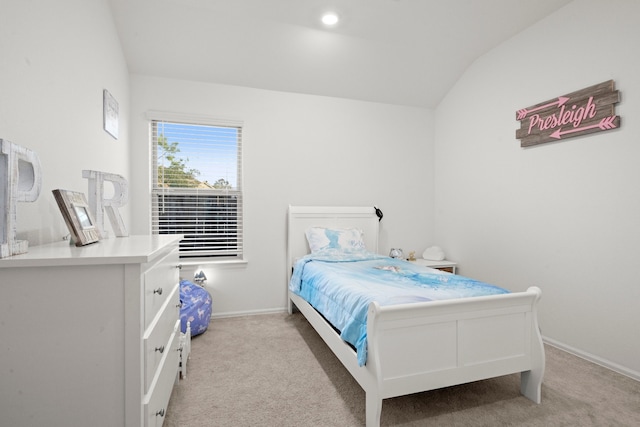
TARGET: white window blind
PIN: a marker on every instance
(197, 185)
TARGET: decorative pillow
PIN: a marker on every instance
(334, 238)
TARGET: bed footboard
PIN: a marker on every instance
(426, 346)
(419, 347)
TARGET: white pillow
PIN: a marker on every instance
(334, 238)
(433, 253)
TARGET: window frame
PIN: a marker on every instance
(236, 254)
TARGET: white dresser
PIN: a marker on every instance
(90, 335)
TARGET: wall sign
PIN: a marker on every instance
(585, 111)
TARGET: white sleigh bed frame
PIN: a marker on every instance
(425, 346)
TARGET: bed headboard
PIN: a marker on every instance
(303, 217)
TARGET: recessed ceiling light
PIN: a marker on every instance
(330, 19)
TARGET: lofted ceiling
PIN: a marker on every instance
(406, 52)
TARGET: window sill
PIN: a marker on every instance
(207, 261)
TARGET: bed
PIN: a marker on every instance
(477, 337)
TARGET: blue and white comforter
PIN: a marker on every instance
(340, 285)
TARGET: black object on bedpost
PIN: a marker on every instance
(378, 213)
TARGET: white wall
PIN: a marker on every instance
(563, 216)
(299, 150)
(55, 60)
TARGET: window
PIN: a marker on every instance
(197, 185)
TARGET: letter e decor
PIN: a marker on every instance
(20, 181)
(586, 111)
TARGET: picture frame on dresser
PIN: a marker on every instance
(77, 215)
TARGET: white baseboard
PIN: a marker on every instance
(594, 359)
(247, 313)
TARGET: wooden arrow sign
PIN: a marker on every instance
(586, 111)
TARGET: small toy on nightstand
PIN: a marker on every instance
(412, 256)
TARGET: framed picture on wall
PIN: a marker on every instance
(110, 114)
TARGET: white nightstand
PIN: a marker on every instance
(443, 265)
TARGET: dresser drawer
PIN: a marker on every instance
(156, 401)
(159, 280)
(156, 337)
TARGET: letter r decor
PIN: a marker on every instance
(585, 111)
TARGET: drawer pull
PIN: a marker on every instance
(179, 266)
(160, 349)
(158, 291)
(160, 412)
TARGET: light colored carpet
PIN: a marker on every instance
(274, 370)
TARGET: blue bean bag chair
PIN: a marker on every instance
(196, 307)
